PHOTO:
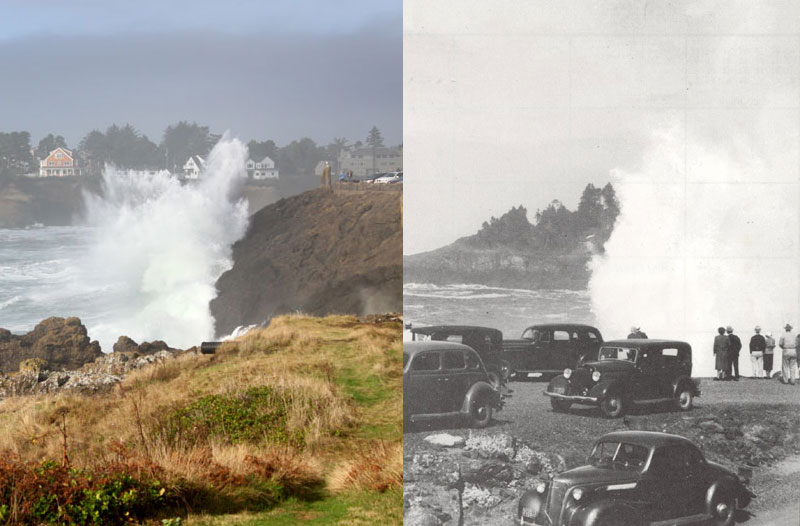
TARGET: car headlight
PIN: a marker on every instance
(596, 376)
(577, 494)
(567, 373)
(540, 487)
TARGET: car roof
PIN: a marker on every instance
(647, 438)
(561, 326)
(454, 329)
(412, 348)
(640, 343)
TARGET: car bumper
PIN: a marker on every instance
(573, 398)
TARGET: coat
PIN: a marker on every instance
(721, 347)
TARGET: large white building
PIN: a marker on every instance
(193, 167)
(264, 169)
(368, 160)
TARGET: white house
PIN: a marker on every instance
(264, 169)
(193, 167)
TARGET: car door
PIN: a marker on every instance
(673, 484)
(562, 352)
(539, 355)
(646, 381)
(423, 388)
(456, 380)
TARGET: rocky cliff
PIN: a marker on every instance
(55, 344)
(47, 201)
(318, 252)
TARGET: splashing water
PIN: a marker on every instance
(707, 237)
(159, 247)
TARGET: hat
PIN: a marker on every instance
(729, 328)
(769, 333)
(634, 328)
(788, 327)
(758, 328)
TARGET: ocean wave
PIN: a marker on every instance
(458, 296)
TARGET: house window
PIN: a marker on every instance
(59, 155)
(51, 163)
(66, 163)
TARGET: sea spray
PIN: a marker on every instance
(159, 246)
(707, 237)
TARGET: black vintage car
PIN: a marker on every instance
(487, 342)
(444, 379)
(547, 349)
(623, 372)
(638, 478)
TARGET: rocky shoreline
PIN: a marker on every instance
(57, 355)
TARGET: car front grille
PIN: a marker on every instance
(555, 502)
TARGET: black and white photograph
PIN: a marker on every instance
(601, 262)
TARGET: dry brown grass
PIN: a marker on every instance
(300, 357)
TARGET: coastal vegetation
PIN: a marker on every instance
(296, 421)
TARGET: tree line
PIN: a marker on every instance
(556, 229)
(127, 148)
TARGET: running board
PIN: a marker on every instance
(683, 521)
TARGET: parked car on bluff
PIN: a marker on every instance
(623, 372)
(638, 478)
(547, 349)
(445, 379)
(487, 342)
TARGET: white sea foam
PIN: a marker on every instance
(707, 237)
(158, 246)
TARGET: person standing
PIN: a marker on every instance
(721, 347)
(733, 354)
(757, 346)
(637, 334)
(788, 342)
(769, 351)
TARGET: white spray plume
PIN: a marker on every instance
(696, 248)
(161, 245)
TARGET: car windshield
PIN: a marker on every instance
(617, 353)
(619, 455)
(531, 334)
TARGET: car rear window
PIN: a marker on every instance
(453, 360)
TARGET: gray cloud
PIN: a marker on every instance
(261, 87)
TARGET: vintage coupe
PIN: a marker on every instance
(445, 379)
(487, 342)
(546, 349)
(623, 372)
(638, 478)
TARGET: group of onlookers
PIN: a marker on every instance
(727, 346)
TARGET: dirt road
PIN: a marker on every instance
(742, 409)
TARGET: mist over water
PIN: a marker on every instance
(707, 237)
(157, 247)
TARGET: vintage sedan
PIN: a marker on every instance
(445, 379)
(623, 372)
(544, 350)
(487, 342)
(638, 478)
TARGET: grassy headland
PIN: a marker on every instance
(297, 421)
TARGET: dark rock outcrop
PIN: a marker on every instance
(61, 343)
(127, 345)
(27, 201)
(319, 252)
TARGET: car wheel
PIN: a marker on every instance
(684, 399)
(612, 405)
(481, 414)
(723, 509)
(560, 406)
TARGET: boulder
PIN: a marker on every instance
(125, 344)
(62, 343)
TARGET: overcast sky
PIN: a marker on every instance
(516, 102)
(279, 70)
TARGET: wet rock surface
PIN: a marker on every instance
(62, 343)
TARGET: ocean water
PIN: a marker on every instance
(143, 263)
(510, 310)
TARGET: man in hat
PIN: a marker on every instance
(757, 346)
(788, 343)
(769, 352)
(733, 354)
(721, 347)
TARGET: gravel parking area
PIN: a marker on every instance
(751, 423)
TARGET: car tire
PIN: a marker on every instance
(560, 406)
(613, 405)
(684, 399)
(481, 413)
(723, 508)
